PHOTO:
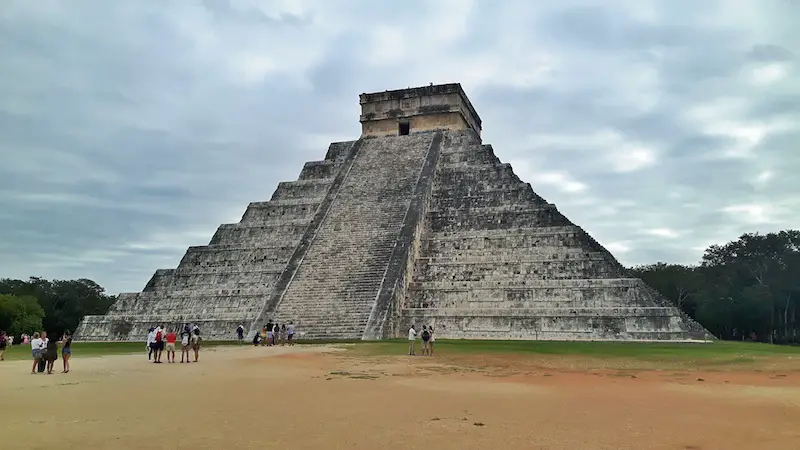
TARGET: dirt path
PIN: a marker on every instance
(323, 398)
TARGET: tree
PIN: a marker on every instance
(749, 286)
(64, 302)
(20, 314)
(679, 284)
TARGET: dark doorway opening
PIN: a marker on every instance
(405, 128)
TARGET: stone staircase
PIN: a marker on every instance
(335, 288)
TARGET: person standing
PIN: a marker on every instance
(270, 336)
(196, 344)
(3, 345)
(66, 350)
(37, 345)
(412, 338)
(186, 338)
(172, 337)
(240, 333)
(151, 341)
(290, 333)
(426, 335)
(51, 354)
(431, 341)
(159, 345)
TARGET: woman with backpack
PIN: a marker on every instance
(196, 343)
(186, 338)
(426, 336)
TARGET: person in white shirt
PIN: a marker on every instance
(151, 339)
(412, 338)
(37, 346)
(431, 341)
(290, 333)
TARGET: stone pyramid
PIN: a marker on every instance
(416, 222)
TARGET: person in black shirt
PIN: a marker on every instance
(51, 354)
(66, 350)
(3, 344)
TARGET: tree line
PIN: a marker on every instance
(746, 289)
(54, 306)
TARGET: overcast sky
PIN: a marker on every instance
(129, 130)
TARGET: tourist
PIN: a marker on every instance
(196, 343)
(37, 345)
(290, 333)
(172, 337)
(276, 331)
(431, 341)
(426, 335)
(158, 343)
(66, 350)
(50, 354)
(412, 338)
(270, 337)
(264, 336)
(151, 342)
(240, 333)
(283, 334)
(186, 338)
(3, 345)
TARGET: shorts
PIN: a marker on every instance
(289, 336)
(160, 345)
(66, 351)
(37, 354)
(195, 346)
(154, 346)
(185, 347)
(170, 346)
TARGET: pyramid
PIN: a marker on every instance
(416, 222)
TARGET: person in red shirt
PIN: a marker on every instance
(171, 338)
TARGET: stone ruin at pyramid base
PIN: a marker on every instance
(416, 222)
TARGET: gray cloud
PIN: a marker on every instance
(133, 129)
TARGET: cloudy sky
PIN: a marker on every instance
(130, 130)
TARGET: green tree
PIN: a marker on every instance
(64, 302)
(20, 314)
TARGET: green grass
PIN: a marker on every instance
(713, 353)
(653, 351)
(87, 349)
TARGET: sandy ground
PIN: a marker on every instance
(325, 398)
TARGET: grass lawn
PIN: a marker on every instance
(83, 349)
(717, 353)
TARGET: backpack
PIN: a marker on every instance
(426, 335)
(158, 337)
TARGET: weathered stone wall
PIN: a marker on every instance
(430, 122)
(430, 107)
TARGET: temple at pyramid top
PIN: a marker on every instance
(404, 111)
